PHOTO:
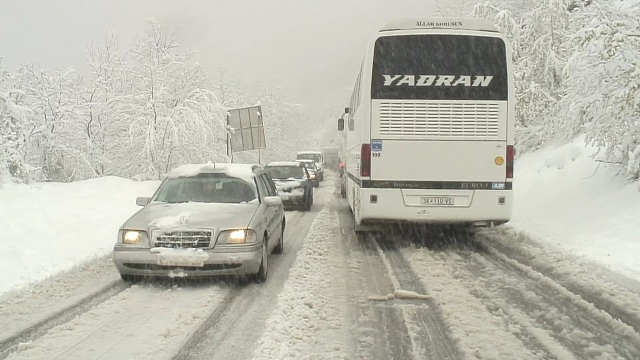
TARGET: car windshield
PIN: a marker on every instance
(314, 157)
(206, 188)
(285, 172)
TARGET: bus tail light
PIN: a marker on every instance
(511, 152)
(365, 160)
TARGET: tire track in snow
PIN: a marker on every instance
(472, 322)
(232, 330)
(394, 341)
(144, 321)
(214, 318)
(621, 303)
(519, 323)
(378, 327)
(585, 330)
(430, 336)
(544, 314)
(37, 320)
(393, 328)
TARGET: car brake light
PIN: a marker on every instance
(511, 152)
(365, 160)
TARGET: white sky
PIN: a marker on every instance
(311, 48)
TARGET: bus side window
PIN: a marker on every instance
(355, 100)
(351, 123)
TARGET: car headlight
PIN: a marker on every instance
(133, 237)
(239, 236)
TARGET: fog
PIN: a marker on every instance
(311, 49)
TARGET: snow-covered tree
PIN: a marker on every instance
(172, 118)
(55, 102)
(577, 71)
(13, 117)
(104, 128)
(454, 8)
(537, 33)
(603, 75)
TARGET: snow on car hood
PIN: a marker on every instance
(192, 215)
(287, 183)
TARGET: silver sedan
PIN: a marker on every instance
(211, 219)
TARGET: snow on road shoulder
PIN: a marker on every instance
(479, 333)
(142, 322)
(309, 318)
(51, 227)
(567, 199)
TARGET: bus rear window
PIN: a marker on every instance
(437, 67)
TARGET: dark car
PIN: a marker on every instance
(293, 183)
(311, 167)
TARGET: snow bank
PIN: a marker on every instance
(50, 227)
(308, 321)
(566, 198)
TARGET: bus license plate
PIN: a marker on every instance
(431, 200)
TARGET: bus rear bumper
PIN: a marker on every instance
(473, 207)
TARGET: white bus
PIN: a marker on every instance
(430, 126)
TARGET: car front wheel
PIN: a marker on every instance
(279, 249)
(307, 205)
(261, 276)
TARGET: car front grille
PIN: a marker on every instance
(184, 239)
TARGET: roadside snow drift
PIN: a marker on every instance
(50, 227)
(308, 320)
(566, 198)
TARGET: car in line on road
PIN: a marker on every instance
(204, 220)
(293, 183)
(317, 157)
(312, 168)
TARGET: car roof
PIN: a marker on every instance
(242, 171)
(284, 163)
(305, 160)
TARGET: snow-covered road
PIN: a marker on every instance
(335, 295)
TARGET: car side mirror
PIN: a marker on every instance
(346, 110)
(142, 201)
(273, 201)
(340, 124)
